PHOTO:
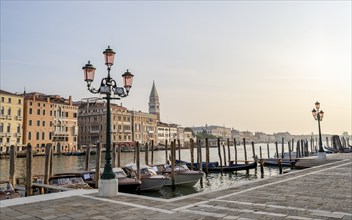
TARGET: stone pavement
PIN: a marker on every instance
(321, 192)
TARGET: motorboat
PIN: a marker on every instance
(69, 180)
(125, 183)
(7, 191)
(151, 181)
(183, 176)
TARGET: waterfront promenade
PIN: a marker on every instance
(320, 192)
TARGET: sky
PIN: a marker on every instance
(249, 65)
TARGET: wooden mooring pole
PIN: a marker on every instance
(173, 152)
(179, 149)
(166, 157)
(282, 148)
(152, 158)
(235, 147)
(146, 152)
(138, 163)
(192, 153)
(47, 166)
(277, 150)
(219, 153)
(223, 149)
(87, 158)
(206, 156)
(261, 162)
(12, 172)
(228, 150)
(29, 158)
(245, 151)
(118, 156)
(97, 166)
(113, 155)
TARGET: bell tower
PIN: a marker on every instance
(154, 105)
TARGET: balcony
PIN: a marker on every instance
(18, 134)
(8, 134)
(9, 117)
(2, 116)
(2, 134)
(94, 131)
(18, 117)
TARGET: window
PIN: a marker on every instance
(2, 99)
(1, 127)
(9, 100)
(51, 113)
(8, 128)
(38, 123)
(43, 123)
(30, 111)
(43, 135)
(19, 112)
(43, 111)
(30, 103)
(38, 104)
(37, 136)
(2, 111)
(29, 135)
(30, 122)
(19, 102)
(9, 111)
(38, 111)
(18, 128)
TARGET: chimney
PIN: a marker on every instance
(70, 100)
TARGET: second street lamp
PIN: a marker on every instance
(318, 115)
(108, 87)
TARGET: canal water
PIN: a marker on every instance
(213, 181)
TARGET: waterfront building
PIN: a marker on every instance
(248, 135)
(92, 123)
(154, 104)
(11, 121)
(167, 132)
(144, 127)
(235, 134)
(50, 119)
(218, 131)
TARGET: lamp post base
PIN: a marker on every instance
(108, 188)
(321, 155)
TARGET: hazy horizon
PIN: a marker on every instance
(248, 65)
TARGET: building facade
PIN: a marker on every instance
(11, 120)
(144, 127)
(50, 119)
(92, 123)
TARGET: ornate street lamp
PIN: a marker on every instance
(109, 88)
(318, 115)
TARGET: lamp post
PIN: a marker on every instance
(318, 115)
(108, 87)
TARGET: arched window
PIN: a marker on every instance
(9, 111)
(29, 135)
(9, 128)
(2, 110)
(1, 127)
(19, 112)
